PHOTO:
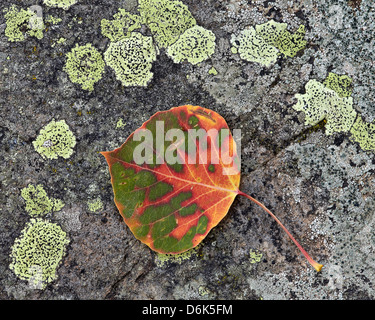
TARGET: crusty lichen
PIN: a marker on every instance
(95, 205)
(131, 59)
(20, 22)
(55, 140)
(341, 84)
(166, 19)
(320, 103)
(40, 247)
(64, 4)
(121, 26)
(85, 66)
(252, 47)
(363, 133)
(194, 45)
(265, 42)
(37, 201)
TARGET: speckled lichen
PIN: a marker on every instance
(255, 256)
(213, 71)
(265, 42)
(95, 205)
(252, 47)
(194, 45)
(40, 247)
(37, 201)
(164, 259)
(64, 4)
(120, 124)
(341, 84)
(166, 19)
(20, 22)
(85, 66)
(320, 103)
(121, 26)
(131, 59)
(55, 140)
(290, 44)
(53, 20)
(363, 133)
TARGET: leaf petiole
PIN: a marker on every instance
(316, 265)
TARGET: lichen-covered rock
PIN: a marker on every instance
(64, 4)
(131, 59)
(19, 20)
(194, 45)
(167, 19)
(85, 66)
(121, 26)
(37, 201)
(320, 103)
(55, 140)
(252, 47)
(40, 248)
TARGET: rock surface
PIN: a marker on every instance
(321, 187)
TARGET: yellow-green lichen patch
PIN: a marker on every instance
(194, 45)
(121, 26)
(120, 124)
(21, 22)
(290, 44)
(252, 47)
(37, 201)
(255, 256)
(166, 19)
(342, 84)
(95, 205)
(41, 246)
(265, 42)
(64, 4)
(213, 71)
(164, 259)
(363, 133)
(53, 20)
(85, 66)
(131, 59)
(320, 103)
(55, 140)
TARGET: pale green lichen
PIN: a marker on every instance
(40, 247)
(363, 133)
(55, 140)
(131, 59)
(342, 84)
(164, 259)
(85, 66)
(213, 71)
(265, 42)
(20, 22)
(290, 44)
(320, 103)
(95, 205)
(37, 201)
(194, 45)
(121, 26)
(64, 4)
(53, 20)
(252, 47)
(120, 123)
(255, 256)
(166, 19)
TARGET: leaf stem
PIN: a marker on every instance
(316, 265)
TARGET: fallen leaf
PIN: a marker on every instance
(171, 207)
